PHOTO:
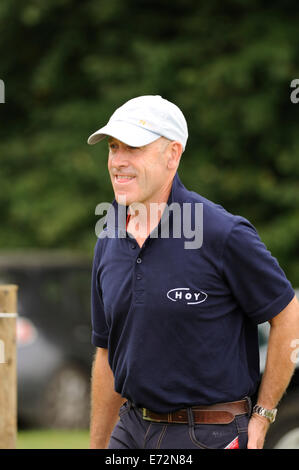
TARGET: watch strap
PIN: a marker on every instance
(269, 414)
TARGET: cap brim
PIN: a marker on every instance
(129, 134)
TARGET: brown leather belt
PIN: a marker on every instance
(219, 413)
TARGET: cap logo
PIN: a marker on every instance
(142, 122)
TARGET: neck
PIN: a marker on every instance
(145, 216)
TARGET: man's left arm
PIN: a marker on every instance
(278, 371)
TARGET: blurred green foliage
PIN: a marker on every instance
(53, 439)
(68, 64)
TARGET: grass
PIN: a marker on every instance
(53, 439)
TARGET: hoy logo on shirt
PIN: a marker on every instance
(186, 295)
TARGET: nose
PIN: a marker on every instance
(119, 158)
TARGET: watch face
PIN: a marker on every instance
(273, 415)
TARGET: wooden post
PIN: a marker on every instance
(8, 369)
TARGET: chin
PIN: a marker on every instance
(127, 195)
(123, 199)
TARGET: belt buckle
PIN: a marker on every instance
(146, 418)
(144, 410)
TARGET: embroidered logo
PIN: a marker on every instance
(187, 295)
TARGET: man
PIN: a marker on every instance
(175, 325)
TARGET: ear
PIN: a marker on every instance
(175, 151)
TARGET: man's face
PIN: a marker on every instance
(139, 174)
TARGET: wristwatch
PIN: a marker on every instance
(269, 414)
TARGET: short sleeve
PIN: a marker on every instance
(100, 331)
(254, 275)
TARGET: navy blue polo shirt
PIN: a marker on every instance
(180, 324)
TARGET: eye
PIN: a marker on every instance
(112, 145)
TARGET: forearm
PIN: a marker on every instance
(105, 402)
(278, 370)
(279, 365)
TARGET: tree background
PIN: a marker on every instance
(68, 64)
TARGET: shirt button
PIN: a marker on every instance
(138, 260)
(139, 277)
